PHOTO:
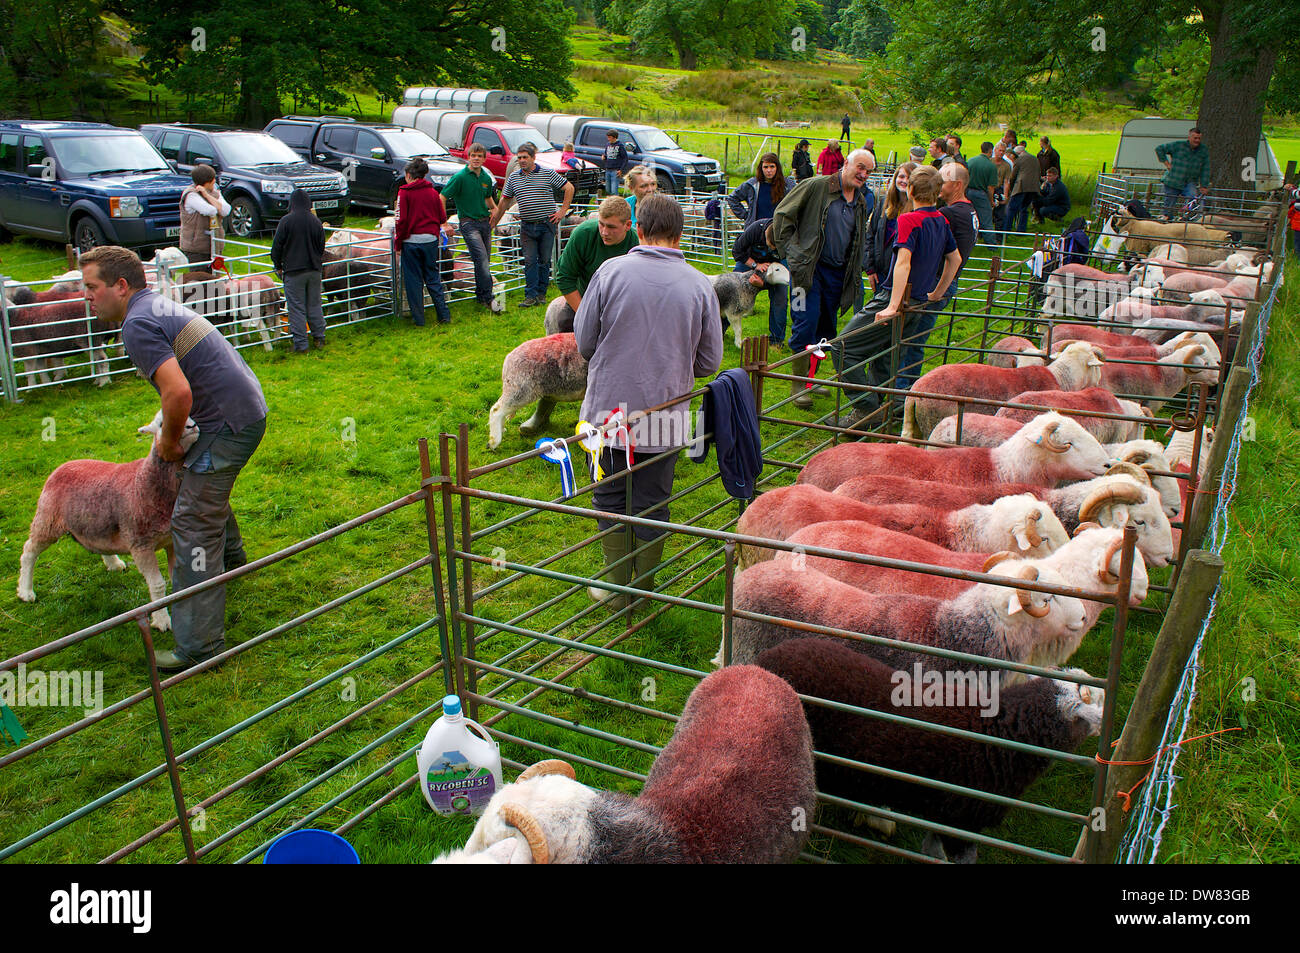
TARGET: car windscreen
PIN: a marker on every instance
(654, 140)
(91, 154)
(253, 148)
(517, 137)
(413, 142)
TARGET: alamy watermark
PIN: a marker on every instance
(945, 689)
(37, 688)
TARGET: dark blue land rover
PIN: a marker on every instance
(255, 172)
(88, 183)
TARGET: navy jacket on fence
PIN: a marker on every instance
(730, 415)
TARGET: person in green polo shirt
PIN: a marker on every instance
(983, 180)
(474, 191)
(591, 244)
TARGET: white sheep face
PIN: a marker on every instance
(1155, 539)
(561, 807)
(1080, 702)
(188, 436)
(1083, 563)
(1046, 615)
(776, 274)
(1081, 449)
(1024, 517)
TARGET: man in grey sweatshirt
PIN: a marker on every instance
(648, 325)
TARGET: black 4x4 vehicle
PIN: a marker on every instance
(87, 183)
(372, 156)
(255, 172)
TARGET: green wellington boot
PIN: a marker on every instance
(799, 368)
(651, 555)
(615, 548)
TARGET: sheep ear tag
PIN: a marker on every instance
(554, 451)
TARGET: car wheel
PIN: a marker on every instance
(87, 234)
(245, 219)
(666, 183)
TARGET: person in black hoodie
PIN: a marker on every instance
(801, 161)
(296, 254)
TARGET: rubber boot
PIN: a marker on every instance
(615, 548)
(799, 367)
(650, 556)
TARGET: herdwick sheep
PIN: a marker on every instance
(988, 620)
(1075, 368)
(981, 430)
(1020, 523)
(1142, 235)
(111, 509)
(46, 326)
(559, 317)
(1149, 457)
(725, 788)
(1204, 306)
(255, 299)
(1178, 451)
(1044, 451)
(1046, 713)
(1099, 500)
(548, 370)
(1156, 383)
(737, 290)
(1182, 285)
(1084, 562)
(1024, 353)
(1083, 291)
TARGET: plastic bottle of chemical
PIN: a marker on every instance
(459, 763)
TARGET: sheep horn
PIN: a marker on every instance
(1031, 529)
(1115, 493)
(1125, 468)
(1083, 526)
(1030, 574)
(1050, 441)
(550, 766)
(519, 818)
(1104, 573)
(1136, 455)
(996, 558)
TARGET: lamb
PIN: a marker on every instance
(1155, 383)
(726, 788)
(981, 430)
(548, 370)
(1047, 449)
(1075, 368)
(736, 291)
(347, 280)
(1142, 235)
(559, 317)
(1020, 523)
(256, 299)
(111, 509)
(1046, 713)
(985, 620)
(47, 325)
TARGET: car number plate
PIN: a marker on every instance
(329, 203)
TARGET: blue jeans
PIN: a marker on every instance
(611, 181)
(984, 211)
(820, 311)
(420, 271)
(1172, 196)
(478, 242)
(776, 300)
(915, 333)
(537, 240)
(1018, 212)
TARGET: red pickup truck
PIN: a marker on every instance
(458, 130)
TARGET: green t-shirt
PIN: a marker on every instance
(584, 252)
(470, 192)
(983, 173)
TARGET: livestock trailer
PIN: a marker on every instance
(1136, 151)
(448, 126)
(512, 103)
(558, 128)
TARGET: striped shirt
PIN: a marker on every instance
(534, 192)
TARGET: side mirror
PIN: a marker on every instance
(36, 171)
(379, 154)
(205, 160)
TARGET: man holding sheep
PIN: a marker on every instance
(197, 374)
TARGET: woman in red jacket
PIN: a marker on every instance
(420, 220)
(831, 159)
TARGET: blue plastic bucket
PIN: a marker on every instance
(311, 847)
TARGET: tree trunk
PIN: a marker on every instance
(686, 57)
(1232, 104)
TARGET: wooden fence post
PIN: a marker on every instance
(1155, 692)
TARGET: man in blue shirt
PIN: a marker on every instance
(197, 374)
(926, 256)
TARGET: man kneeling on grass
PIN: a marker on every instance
(924, 245)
